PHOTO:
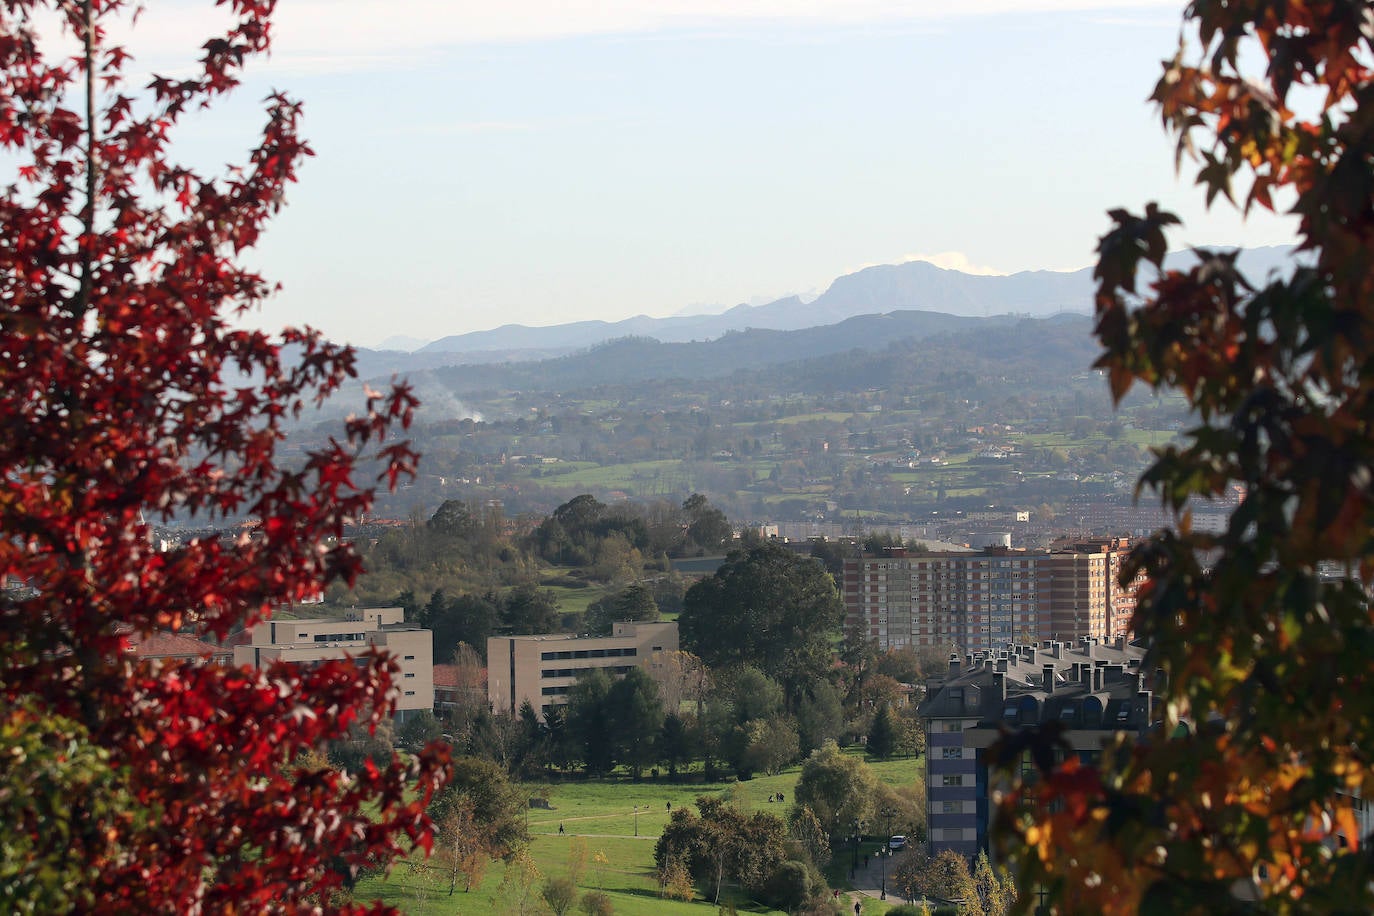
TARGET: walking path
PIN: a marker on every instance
(868, 882)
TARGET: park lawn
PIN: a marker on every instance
(602, 815)
(573, 600)
(898, 771)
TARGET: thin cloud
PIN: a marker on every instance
(312, 35)
(956, 260)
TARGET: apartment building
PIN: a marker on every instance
(543, 669)
(979, 601)
(1120, 600)
(1096, 689)
(303, 641)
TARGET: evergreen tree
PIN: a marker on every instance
(882, 734)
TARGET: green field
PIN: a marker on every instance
(616, 823)
(831, 416)
(618, 476)
(572, 600)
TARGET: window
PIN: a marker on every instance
(410, 693)
(952, 753)
(410, 674)
(952, 780)
(410, 658)
(953, 725)
(952, 808)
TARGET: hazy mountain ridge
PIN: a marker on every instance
(916, 286)
(881, 289)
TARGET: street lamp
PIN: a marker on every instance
(854, 867)
(636, 820)
(888, 815)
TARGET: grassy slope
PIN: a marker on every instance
(601, 814)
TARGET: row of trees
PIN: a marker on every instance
(734, 718)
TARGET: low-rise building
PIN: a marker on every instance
(303, 641)
(176, 647)
(542, 669)
(459, 687)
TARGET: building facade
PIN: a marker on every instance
(1096, 689)
(543, 669)
(979, 601)
(316, 639)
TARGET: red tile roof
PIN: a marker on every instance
(455, 676)
(172, 645)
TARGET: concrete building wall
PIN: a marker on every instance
(543, 669)
(310, 640)
(1075, 594)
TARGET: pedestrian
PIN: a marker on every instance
(668, 806)
(865, 860)
(779, 796)
(858, 908)
(560, 829)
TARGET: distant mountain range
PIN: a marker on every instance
(915, 299)
(915, 286)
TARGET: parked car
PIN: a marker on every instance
(897, 843)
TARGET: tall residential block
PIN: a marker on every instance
(989, 599)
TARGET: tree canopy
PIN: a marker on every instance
(838, 789)
(723, 843)
(769, 608)
(1244, 797)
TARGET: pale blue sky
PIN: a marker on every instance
(542, 161)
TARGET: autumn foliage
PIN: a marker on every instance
(1247, 796)
(130, 397)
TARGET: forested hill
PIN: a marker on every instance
(636, 359)
(1031, 352)
(877, 351)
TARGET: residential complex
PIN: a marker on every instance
(318, 638)
(995, 597)
(542, 669)
(1095, 689)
